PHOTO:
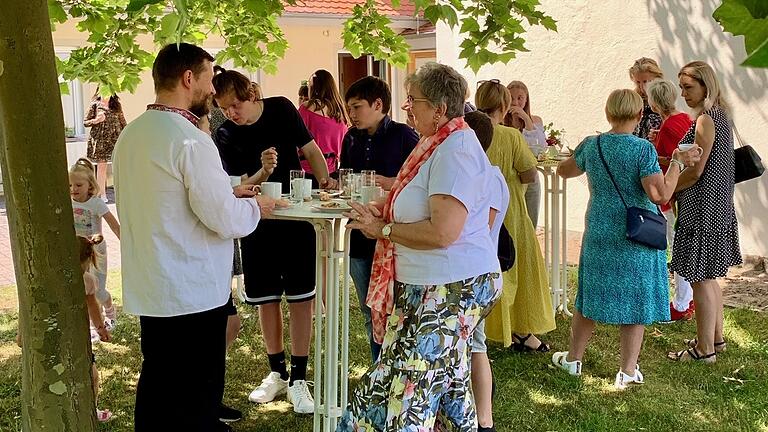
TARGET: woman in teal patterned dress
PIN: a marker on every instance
(620, 282)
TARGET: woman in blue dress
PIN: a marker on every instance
(620, 282)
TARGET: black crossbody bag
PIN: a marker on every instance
(746, 161)
(643, 226)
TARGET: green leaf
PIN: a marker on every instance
(433, 13)
(469, 25)
(57, 12)
(137, 5)
(747, 18)
(168, 26)
(737, 19)
(449, 15)
(758, 57)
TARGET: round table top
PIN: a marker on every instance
(308, 210)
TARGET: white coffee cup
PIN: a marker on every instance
(272, 189)
(370, 193)
(688, 146)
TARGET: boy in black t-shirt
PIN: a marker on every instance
(257, 133)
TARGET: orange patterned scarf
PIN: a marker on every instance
(381, 297)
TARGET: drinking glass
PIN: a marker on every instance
(344, 174)
(296, 186)
(355, 180)
(368, 178)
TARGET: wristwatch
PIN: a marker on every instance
(386, 230)
(678, 163)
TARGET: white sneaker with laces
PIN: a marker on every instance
(271, 387)
(623, 380)
(301, 398)
(572, 367)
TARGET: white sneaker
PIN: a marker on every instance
(301, 398)
(623, 380)
(572, 367)
(271, 387)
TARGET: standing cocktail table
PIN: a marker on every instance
(331, 361)
(555, 233)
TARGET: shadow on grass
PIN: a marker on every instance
(729, 395)
(531, 394)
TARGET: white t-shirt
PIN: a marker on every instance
(458, 168)
(88, 217)
(499, 202)
(178, 216)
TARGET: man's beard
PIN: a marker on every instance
(202, 106)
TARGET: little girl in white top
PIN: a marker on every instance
(88, 210)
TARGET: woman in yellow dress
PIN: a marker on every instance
(525, 308)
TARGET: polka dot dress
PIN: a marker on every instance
(707, 236)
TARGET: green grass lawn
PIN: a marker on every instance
(532, 395)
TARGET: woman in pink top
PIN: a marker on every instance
(326, 118)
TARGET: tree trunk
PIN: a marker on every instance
(56, 381)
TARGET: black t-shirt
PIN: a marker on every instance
(279, 126)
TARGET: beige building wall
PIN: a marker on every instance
(314, 43)
(570, 74)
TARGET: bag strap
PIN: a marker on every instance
(600, 151)
(738, 135)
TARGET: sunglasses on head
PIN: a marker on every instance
(493, 81)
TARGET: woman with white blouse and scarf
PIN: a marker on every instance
(434, 269)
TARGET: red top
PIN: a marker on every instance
(328, 134)
(671, 132)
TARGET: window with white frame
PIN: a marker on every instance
(72, 103)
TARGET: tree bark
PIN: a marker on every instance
(56, 381)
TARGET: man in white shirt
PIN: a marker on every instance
(179, 215)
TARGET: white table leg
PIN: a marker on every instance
(564, 270)
(555, 276)
(331, 334)
(319, 287)
(345, 322)
(547, 225)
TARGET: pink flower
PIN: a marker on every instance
(409, 388)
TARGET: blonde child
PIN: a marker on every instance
(88, 210)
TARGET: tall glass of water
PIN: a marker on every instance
(344, 177)
(368, 178)
(296, 186)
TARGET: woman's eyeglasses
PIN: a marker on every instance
(409, 100)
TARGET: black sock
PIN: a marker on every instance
(277, 364)
(298, 368)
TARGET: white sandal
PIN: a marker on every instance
(572, 367)
(623, 380)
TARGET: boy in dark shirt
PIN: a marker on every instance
(374, 142)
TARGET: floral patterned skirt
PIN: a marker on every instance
(421, 381)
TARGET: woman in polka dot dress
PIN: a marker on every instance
(707, 239)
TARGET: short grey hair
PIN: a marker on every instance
(662, 95)
(441, 84)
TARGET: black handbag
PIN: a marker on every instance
(506, 252)
(643, 226)
(746, 160)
